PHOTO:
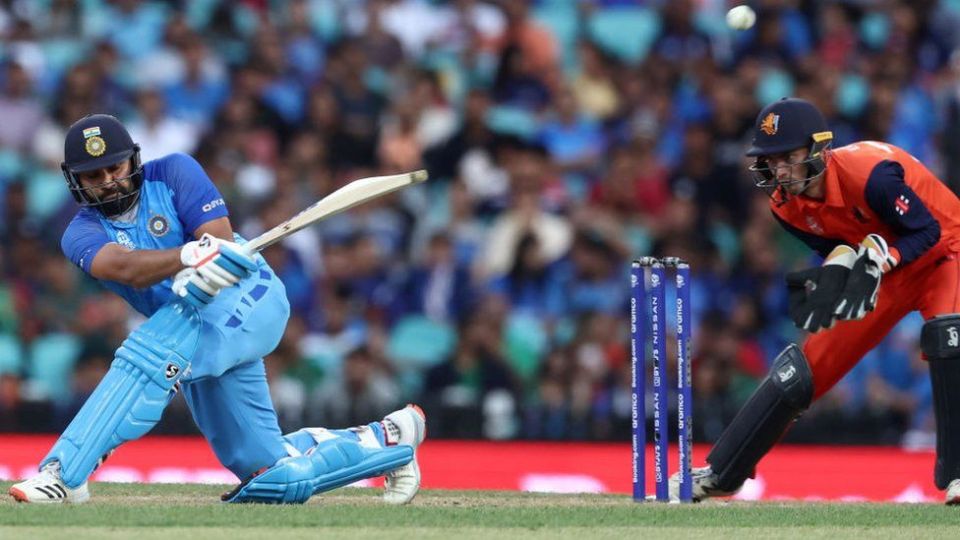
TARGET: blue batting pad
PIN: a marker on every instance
(332, 463)
(131, 397)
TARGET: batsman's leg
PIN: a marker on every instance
(235, 414)
(126, 404)
(406, 427)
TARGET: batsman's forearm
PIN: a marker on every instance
(142, 268)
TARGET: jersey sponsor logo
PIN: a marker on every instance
(212, 204)
(902, 204)
(124, 240)
(158, 225)
(770, 124)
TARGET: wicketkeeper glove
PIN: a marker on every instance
(859, 295)
(813, 293)
(220, 263)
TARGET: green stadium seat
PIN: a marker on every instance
(526, 344)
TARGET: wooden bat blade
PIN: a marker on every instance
(353, 194)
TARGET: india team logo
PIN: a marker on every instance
(95, 146)
(158, 226)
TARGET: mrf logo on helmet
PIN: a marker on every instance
(96, 142)
(782, 127)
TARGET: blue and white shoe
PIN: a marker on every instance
(408, 426)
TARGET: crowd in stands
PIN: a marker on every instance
(563, 138)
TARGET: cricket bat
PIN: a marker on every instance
(345, 198)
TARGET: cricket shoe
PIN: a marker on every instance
(407, 426)
(47, 488)
(953, 493)
(705, 485)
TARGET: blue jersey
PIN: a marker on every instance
(176, 198)
(244, 322)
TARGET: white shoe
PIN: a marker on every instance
(704, 485)
(47, 488)
(407, 426)
(953, 493)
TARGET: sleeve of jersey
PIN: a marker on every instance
(82, 241)
(196, 198)
(823, 246)
(901, 208)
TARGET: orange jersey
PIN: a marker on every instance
(874, 187)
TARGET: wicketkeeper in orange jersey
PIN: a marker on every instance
(889, 231)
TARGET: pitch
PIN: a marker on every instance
(146, 512)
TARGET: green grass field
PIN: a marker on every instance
(182, 512)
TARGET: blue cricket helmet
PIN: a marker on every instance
(784, 126)
(94, 142)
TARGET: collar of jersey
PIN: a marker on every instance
(834, 196)
(831, 183)
(128, 219)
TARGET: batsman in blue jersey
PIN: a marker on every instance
(158, 234)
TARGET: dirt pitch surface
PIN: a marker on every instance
(144, 512)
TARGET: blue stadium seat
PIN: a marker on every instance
(62, 54)
(627, 32)
(52, 358)
(11, 355)
(11, 164)
(419, 342)
(513, 121)
(45, 194)
(561, 19)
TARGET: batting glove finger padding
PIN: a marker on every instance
(190, 285)
(860, 293)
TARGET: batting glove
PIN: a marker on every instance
(188, 284)
(220, 263)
